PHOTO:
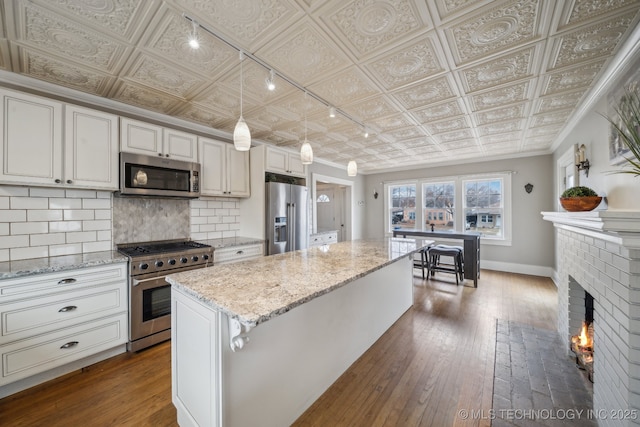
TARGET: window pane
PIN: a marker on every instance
(402, 212)
(438, 205)
(483, 209)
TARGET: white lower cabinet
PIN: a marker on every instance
(321, 239)
(53, 319)
(237, 253)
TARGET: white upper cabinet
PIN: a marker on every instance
(31, 139)
(146, 138)
(91, 148)
(225, 171)
(284, 162)
(47, 143)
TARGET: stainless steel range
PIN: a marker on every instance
(149, 293)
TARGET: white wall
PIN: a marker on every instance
(532, 249)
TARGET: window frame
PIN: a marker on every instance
(507, 220)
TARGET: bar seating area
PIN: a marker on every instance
(455, 265)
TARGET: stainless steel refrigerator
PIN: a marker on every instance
(287, 217)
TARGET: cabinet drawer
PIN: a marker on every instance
(24, 318)
(29, 357)
(49, 283)
(237, 253)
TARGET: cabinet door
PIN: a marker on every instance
(276, 161)
(91, 148)
(295, 165)
(140, 137)
(180, 145)
(31, 139)
(212, 174)
(237, 172)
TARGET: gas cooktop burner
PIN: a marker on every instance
(151, 248)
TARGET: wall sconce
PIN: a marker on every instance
(375, 194)
(582, 163)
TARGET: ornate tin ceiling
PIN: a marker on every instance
(432, 80)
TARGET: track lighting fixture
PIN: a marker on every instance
(193, 38)
(271, 85)
(332, 112)
(352, 168)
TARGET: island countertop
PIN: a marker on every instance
(257, 290)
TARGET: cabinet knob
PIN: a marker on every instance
(69, 181)
(67, 308)
(58, 181)
(160, 154)
(70, 344)
(166, 155)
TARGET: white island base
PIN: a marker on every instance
(289, 361)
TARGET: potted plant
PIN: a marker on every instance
(579, 199)
(627, 124)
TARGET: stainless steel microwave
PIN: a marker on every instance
(158, 176)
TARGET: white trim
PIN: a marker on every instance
(348, 210)
(509, 267)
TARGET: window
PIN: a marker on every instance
(439, 200)
(402, 206)
(465, 204)
(323, 198)
(484, 207)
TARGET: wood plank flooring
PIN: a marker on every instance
(436, 360)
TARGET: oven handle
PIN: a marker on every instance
(136, 282)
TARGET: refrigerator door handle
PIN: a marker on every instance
(293, 229)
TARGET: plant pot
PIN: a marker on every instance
(580, 204)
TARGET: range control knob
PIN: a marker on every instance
(144, 266)
(195, 258)
(183, 260)
(172, 261)
(205, 257)
(159, 263)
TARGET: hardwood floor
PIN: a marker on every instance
(436, 360)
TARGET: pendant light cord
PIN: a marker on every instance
(241, 61)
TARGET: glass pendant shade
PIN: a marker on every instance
(242, 136)
(306, 153)
(352, 168)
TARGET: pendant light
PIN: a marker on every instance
(352, 168)
(241, 134)
(306, 152)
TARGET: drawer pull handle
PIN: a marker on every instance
(70, 344)
(67, 281)
(239, 252)
(67, 308)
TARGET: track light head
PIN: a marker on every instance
(271, 85)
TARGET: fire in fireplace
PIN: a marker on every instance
(582, 344)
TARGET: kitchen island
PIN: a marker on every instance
(257, 342)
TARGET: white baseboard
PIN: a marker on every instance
(533, 270)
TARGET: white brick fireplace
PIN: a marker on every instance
(600, 252)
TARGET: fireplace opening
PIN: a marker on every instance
(582, 343)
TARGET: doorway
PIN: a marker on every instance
(331, 206)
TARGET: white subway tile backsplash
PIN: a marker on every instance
(67, 249)
(18, 215)
(102, 214)
(78, 214)
(14, 241)
(96, 225)
(28, 203)
(46, 192)
(103, 194)
(29, 228)
(4, 203)
(81, 237)
(65, 226)
(4, 255)
(104, 235)
(29, 252)
(214, 218)
(47, 239)
(96, 203)
(14, 191)
(64, 203)
(44, 215)
(80, 194)
(96, 246)
(4, 228)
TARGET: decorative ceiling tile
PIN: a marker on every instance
(438, 112)
(219, 98)
(540, 142)
(559, 102)
(204, 116)
(64, 73)
(501, 96)
(503, 127)
(424, 93)
(546, 131)
(448, 7)
(500, 114)
(505, 26)
(447, 125)
(58, 36)
(113, 16)
(511, 138)
(245, 21)
(406, 133)
(590, 42)
(389, 123)
(368, 25)
(586, 10)
(348, 86)
(550, 118)
(170, 40)
(571, 78)
(463, 134)
(406, 65)
(157, 74)
(505, 69)
(371, 108)
(303, 54)
(145, 98)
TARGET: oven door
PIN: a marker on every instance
(150, 308)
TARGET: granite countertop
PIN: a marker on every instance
(28, 267)
(229, 242)
(260, 289)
